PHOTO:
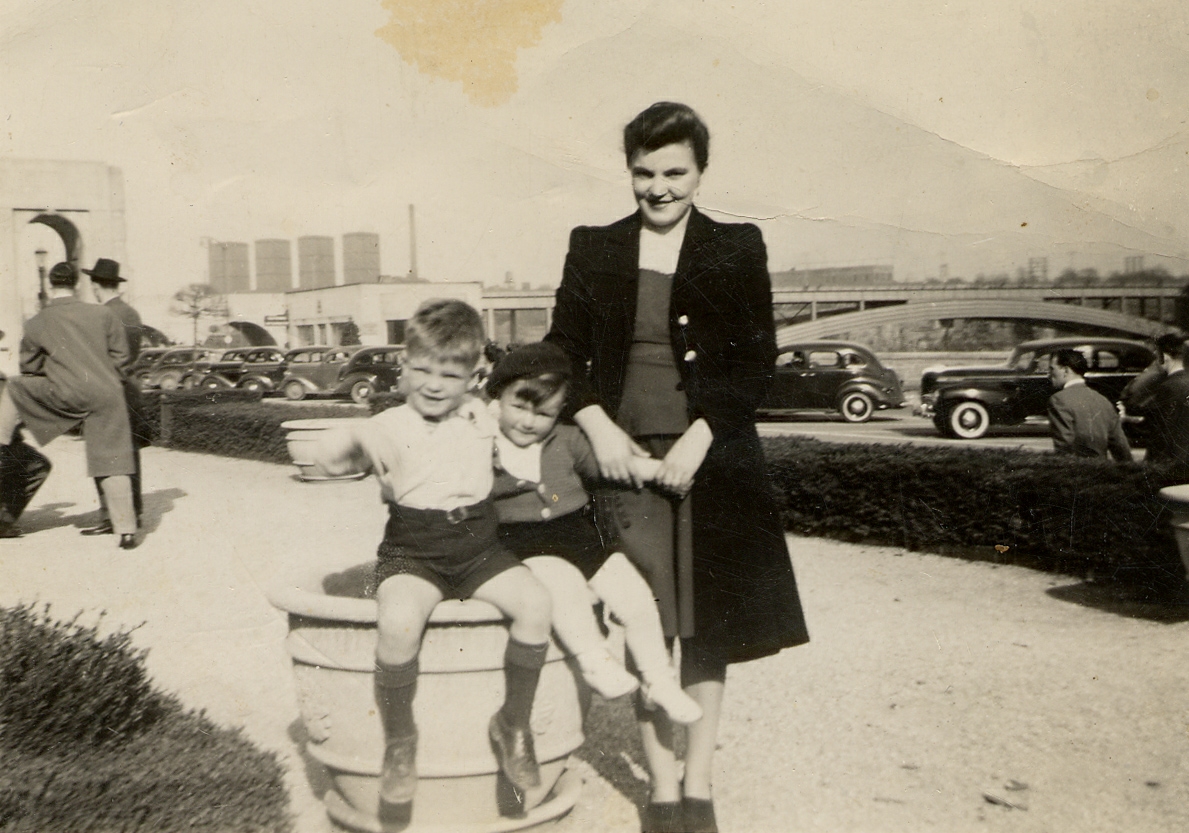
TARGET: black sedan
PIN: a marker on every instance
(832, 376)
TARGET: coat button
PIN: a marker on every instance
(690, 355)
(683, 320)
(546, 512)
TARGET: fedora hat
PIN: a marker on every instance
(105, 271)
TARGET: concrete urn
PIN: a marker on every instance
(332, 640)
(1177, 500)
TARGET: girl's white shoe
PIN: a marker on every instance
(668, 695)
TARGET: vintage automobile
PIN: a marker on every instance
(340, 371)
(171, 366)
(833, 376)
(964, 402)
(148, 357)
(259, 368)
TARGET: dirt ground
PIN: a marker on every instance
(937, 694)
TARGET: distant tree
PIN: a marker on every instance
(350, 334)
(198, 300)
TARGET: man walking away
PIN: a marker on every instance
(1083, 422)
(106, 280)
(69, 355)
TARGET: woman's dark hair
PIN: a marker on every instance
(667, 123)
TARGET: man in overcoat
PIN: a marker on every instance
(70, 353)
(1083, 422)
(106, 280)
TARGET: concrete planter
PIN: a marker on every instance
(301, 434)
(1177, 499)
(332, 639)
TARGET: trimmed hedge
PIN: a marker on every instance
(234, 423)
(1065, 514)
(87, 744)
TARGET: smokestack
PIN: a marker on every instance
(412, 243)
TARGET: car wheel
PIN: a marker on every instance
(856, 407)
(213, 383)
(361, 391)
(295, 391)
(168, 382)
(253, 385)
(968, 420)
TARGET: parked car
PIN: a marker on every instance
(236, 367)
(170, 367)
(964, 402)
(148, 357)
(341, 371)
(263, 369)
(833, 376)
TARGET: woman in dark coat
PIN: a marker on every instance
(667, 317)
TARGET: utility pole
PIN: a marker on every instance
(412, 243)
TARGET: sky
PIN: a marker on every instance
(958, 136)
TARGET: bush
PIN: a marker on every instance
(1060, 513)
(88, 745)
(236, 423)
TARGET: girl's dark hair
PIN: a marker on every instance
(532, 389)
(667, 123)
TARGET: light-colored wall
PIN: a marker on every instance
(90, 195)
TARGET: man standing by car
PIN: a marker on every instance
(1167, 416)
(1083, 422)
(106, 280)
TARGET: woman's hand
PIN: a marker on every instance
(613, 449)
(677, 470)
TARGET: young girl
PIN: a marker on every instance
(546, 515)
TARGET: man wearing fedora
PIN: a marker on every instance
(106, 280)
(70, 353)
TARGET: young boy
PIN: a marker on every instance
(432, 457)
(545, 511)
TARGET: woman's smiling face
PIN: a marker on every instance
(665, 181)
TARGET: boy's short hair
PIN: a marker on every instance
(1072, 360)
(543, 369)
(1171, 344)
(446, 329)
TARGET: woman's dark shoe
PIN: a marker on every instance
(698, 815)
(103, 528)
(514, 751)
(128, 541)
(662, 817)
(9, 530)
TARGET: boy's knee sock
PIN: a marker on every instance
(396, 685)
(522, 670)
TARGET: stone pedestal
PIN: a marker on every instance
(1177, 500)
(332, 639)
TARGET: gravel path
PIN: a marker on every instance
(937, 694)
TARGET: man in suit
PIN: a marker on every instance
(1083, 422)
(69, 359)
(106, 280)
(1167, 414)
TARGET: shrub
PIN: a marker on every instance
(237, 423)
(1060, 513)
(88, 745)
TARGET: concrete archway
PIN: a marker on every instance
(1020, 310)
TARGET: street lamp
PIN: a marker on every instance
(42, 294)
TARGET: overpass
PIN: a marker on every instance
(1017, 309)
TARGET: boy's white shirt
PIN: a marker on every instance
(522, 463)
(441, 464)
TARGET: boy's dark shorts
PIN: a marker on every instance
(456, 551)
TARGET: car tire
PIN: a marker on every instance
(856, 406)
(295, 391)
(968, 420)
(169, 382)
(214, 383)
(361, 391)
(253, 385)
